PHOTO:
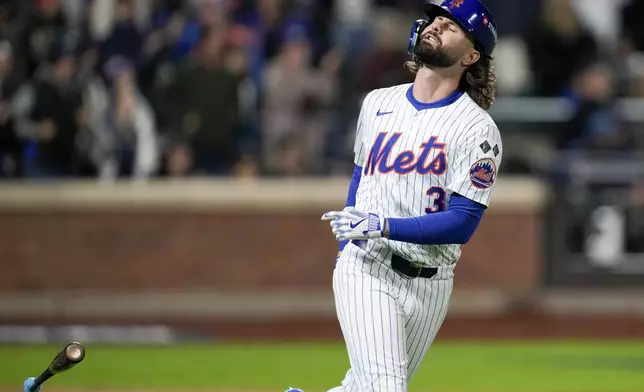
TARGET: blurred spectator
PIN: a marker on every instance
(59, 114)
(602, 19)
(179, 162)
(212, 13)
(125, 38)
(350, 13)
(632, 18)
(205, 109)
(595, 125)
(43, 29)
(514, 16)
(267, 22)
(511, 62)
(198, 16)
(13, 15)
(350, 29)
(74, 12)
(295, 96)
(159, 59)
(103, 15)
(381, 65)
(11, 145)
(319, 15)
(237, 62)
(635, 89)
(229, 87)
(401, 5)
(125, 137)
(87, 60)
(559, 46)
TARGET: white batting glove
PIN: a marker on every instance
(351, 224)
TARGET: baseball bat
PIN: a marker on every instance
(71, 355)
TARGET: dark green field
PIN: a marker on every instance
(450, 367)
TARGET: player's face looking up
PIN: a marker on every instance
(444, 44)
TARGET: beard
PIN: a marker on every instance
(434, 57)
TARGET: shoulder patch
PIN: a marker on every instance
(483, 173)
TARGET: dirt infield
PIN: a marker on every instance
(518, 324)
(515, 325)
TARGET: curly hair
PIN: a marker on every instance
(478, 80)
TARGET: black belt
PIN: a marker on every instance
(405, 267)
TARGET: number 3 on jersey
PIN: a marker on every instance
(436, 196)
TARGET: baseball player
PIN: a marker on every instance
(426, 160)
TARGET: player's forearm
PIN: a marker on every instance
(454, 226)
(351, 196)
(438, 229)
(353, 187)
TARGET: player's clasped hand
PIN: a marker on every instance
(351, 224)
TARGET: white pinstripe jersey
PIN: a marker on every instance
(415, 155)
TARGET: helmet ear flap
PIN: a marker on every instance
(416, 31)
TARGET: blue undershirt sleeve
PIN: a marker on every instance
(454, 226)
(351, 197)
(353, 187)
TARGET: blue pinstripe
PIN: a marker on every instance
(388, 311)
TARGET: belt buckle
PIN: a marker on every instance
(420, 270)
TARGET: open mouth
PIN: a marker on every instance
(431, 38)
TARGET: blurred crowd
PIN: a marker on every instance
(140, 89)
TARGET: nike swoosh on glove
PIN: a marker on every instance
(351, 224)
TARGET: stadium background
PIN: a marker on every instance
(164, 165)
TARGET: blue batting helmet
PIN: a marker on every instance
(472, 15)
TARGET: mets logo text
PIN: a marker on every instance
(430, 159)
(455, 3)
(483, 173)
